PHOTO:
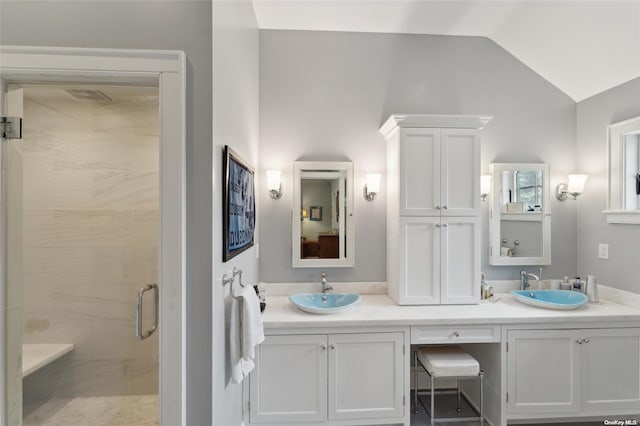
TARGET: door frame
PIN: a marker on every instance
(167, 70)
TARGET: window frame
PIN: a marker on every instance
(616, 211)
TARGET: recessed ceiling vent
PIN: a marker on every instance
(95, 96)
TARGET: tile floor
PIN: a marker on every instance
(446, 407)
(138, 410)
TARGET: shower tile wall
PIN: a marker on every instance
(90, 237)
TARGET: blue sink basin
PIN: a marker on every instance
(551, 299)
(324, 303)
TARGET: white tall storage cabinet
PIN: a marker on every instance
(433, 208)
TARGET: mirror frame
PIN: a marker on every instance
(345, 261)
(495, 213)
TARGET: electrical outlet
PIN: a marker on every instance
(603, 251)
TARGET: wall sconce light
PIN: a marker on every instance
(273, 184)
(304, 213)
(485, 186)
(572, 189)
(372, 187)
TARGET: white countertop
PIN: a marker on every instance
(380, 310)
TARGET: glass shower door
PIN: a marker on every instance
(82, 191)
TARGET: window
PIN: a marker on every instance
(529, 187)
(623, 203)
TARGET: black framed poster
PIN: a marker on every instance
(239, 207)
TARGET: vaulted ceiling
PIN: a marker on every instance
(583, 47)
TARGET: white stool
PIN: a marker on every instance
(449, 362)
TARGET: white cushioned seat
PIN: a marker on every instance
(443, 361)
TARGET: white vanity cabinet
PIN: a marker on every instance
(329, 379)
(573, 372)
(433, 208)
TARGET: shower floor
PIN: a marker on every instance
(138, 410)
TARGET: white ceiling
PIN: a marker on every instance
(583, 47)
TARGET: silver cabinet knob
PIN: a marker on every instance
(456, 334)
(585, 340)
(437, 207)
(445, 207)
(438, 225)
(332, 346)
(579, 341)
(444, 226)
(323, 347)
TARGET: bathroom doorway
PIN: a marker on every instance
(92, 206)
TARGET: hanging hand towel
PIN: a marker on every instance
(252, 329)
(245, 332)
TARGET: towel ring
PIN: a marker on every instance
(230, 280)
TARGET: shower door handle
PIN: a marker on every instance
(141, 335)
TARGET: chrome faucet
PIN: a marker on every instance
(524, 279)
(325, 287)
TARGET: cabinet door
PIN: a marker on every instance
(460, 175)
(419, 261)
(366, 376)
(420, 172)
(543, 372)
(460, 269)
(289, 382)
(610, 369)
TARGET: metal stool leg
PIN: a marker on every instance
(481, 397)
(433, 399)
(458, 409)
(415, 382)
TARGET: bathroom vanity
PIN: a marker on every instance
(354, 367)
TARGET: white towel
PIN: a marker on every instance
(246, 332)
(506, 251)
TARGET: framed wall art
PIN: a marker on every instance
(315, 213)
(239, 207)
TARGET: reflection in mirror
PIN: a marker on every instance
(323, 237)
(520, 218)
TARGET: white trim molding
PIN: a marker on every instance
(629, 217)
(433, 120)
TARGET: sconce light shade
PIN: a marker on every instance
(574, 188)
(273, 184)
(576, 184)
(485, 186)
(304, 213)
(372, 187)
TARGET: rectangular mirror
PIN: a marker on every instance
(520, 228)
(322, 221)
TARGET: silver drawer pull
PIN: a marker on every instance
(141, 335)
(456, 334)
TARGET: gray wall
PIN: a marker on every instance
(323, 96)
(235, 123)
(594, 114)
(172, 25)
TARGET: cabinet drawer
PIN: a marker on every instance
(452, 334)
